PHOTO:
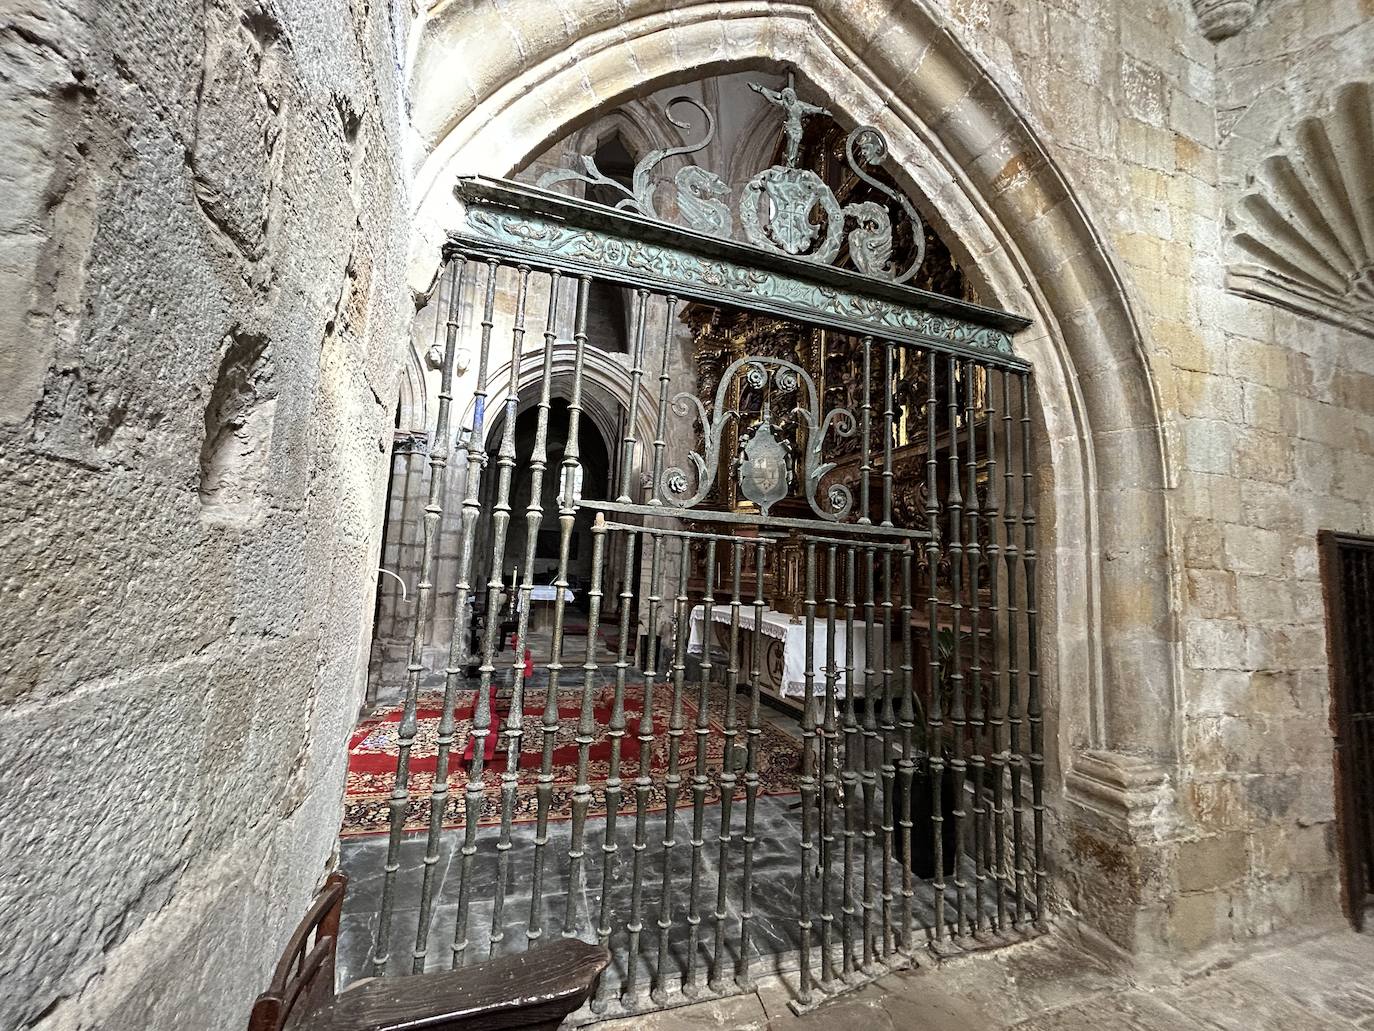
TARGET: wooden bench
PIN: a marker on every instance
(529, 990)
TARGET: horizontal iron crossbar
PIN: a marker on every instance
(848, 530)
(525, 224)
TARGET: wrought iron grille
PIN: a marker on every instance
(887, 536)
(1348, 569)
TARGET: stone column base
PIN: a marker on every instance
(1116, 857)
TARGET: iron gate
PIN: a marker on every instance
(693, 828)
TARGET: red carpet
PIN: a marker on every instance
(373, 747)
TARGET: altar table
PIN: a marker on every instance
(785, 648)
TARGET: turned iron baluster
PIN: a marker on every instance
(438, 464)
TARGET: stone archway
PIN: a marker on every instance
(1002, 200)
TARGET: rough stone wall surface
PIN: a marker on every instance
(200, 264)
(200, 274)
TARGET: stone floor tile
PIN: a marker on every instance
(1231, 1003)
(1122, 1010)
(736, 1013)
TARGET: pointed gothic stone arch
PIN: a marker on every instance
(1018, 228)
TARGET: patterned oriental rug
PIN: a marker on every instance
(373, 749)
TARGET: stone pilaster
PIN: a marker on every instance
(1115, 869)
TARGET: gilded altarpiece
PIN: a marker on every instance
(835, 360)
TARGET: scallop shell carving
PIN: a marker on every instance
(1303, 232)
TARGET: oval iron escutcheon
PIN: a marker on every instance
(765, 474)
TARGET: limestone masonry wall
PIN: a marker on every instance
(201, 246)
(1268, 414)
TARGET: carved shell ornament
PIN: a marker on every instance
(1303, 232)
(783, 209)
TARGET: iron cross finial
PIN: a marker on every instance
(794, 110)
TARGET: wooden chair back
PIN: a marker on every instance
(304, 978)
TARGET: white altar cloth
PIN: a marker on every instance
(548, 592)
(541, 616)
(791, 631)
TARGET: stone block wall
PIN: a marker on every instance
(201, 253)
(202, 261)
(1268, 415)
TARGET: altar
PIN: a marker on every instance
(541, 617)
(784, 648)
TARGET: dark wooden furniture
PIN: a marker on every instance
(1347, 570)
(530, 990)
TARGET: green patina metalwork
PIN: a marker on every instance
(549, 240)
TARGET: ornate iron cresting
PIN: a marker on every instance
(732, 276)
(784, 208)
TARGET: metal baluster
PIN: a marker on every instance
(629, 443)
(957, 716)
(586, 735)
(808, 775)
(644, 781)
(753, 731)
(935, 711)
(661, 427)
(549, 724)
(700, 783)
(1011, 517)
(889, 428)
(474, 794)
(887, 724)
(887, 728)
(906, 715)
(1034, 711)
(476, 459)
(907, 765)
(829, 782)
(997, 716)
(438, 465)
(616, 732)
(727, 774)
(865, 458)
(977, 716)
(673, 781)
(850, 776)
(869, 745)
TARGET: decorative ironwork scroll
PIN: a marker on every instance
(784, 209)
(766, 465)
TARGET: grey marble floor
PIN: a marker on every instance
(571, 904)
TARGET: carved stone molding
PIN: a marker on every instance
(1302, 234)
(1221, 19)
(1131, 792)
(410, 442)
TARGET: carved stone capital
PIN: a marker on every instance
(1221, 19)
(1129, 791)
(410, 442)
